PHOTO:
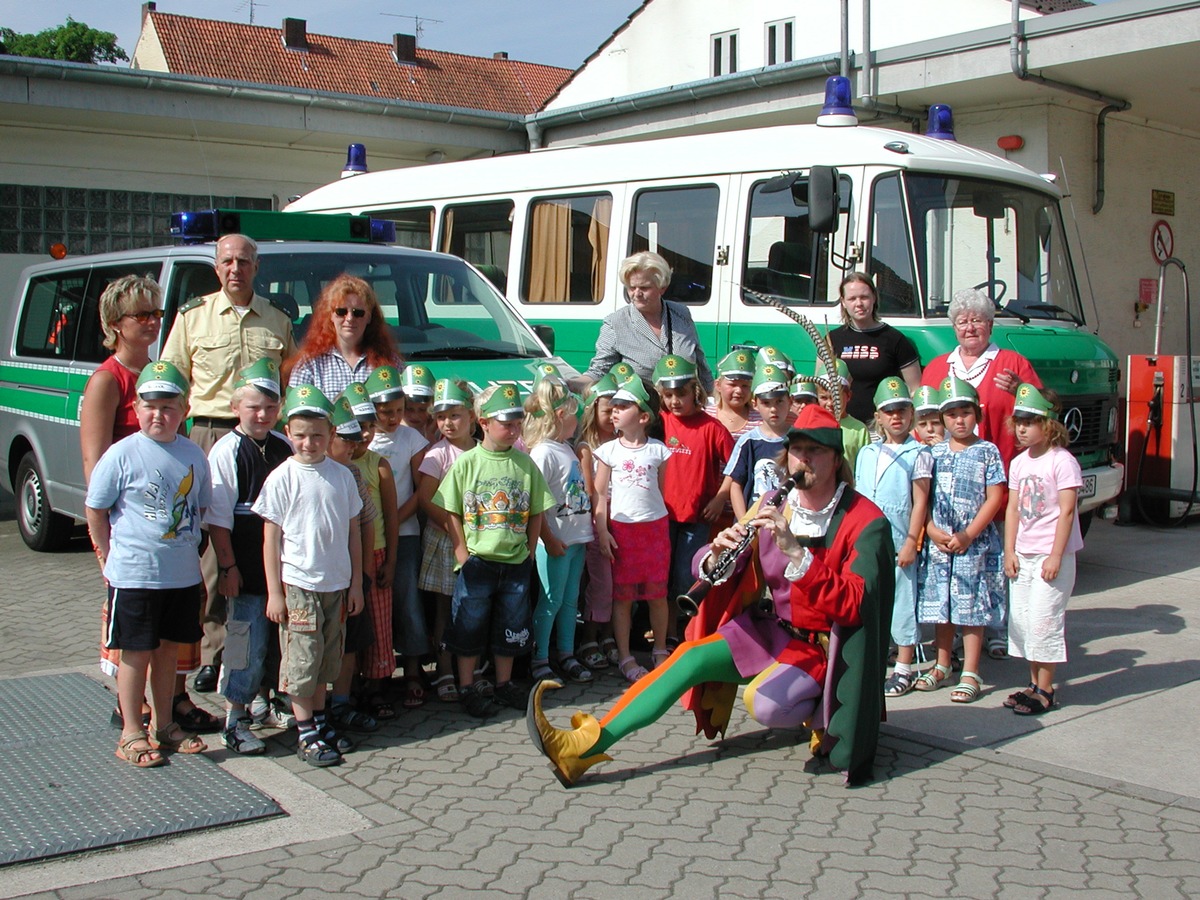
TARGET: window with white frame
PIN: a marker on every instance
(780, 40)
(724, 53)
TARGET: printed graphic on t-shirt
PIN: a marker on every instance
(576, 502)
(497, 503)
(636, 476)
(766, 478)
(675, 445)
(860, 351)
(175, 506)
(1031, 498)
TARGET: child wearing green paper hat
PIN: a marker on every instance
(494, 497)
(804, 391)
(694, 487)
(417, 381)
(732, 401)
(752, 469)
(894, 474)
(145, 500)
(962, 581)
(241, 461)
(454, 412)
(855, 434)
(402, 446)
(312, 554)
(1041, 538)
(928, 427)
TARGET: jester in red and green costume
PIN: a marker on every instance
(802, 623)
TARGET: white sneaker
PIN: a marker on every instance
(240, 739)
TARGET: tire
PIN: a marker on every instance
(41, 528)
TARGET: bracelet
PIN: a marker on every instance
(224, 570)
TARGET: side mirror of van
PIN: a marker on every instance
(545, 334)
(823, 199)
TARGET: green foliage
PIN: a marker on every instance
(72, 42)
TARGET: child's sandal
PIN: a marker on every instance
(316, 752)
(608, 647)
(573, 670)
(632, 670)
(1032, 706)
(447, 690)
(659, 657)
(1020, 696)
(541, 671)
(591, 656)
(174, 739)
(964, 692)
(144, 757)
(932, 679)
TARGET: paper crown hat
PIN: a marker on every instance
(345, 423)
(673, 371)
(360, 401)
(547, 370)
(776, 357)
(504, 404)
(633, 391)
(1032, 402)
(839, 365)
(956, 392)
(262, 375)
(384, 384)
(621, 372)
(417, 381)
(306, 400)
(447, 394)
(736, 364)
(769, 379)
(160, 380)
(927, 399)
(605, 387)
(892, 391)
(804, 387)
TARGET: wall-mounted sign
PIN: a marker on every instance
(1162, 203)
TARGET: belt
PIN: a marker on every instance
(212, 422)
(820, 638)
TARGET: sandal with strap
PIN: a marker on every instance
(541, 671)
(608, 647)
(632, 670)
(1033, 706)
(591, 656)
(659, 657)
(345, 716)
(967, 693)
(314, 751)
(997, 648)
(932, 679)
(447, 690)
(414, 694)
(573, 670)
(173, 739)
(1020, 696)
(146, 756)
(195, 720)
(898, 684)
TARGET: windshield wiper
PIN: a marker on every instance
(469, 351)
(1033, 310)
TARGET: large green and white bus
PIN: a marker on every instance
(783, 211)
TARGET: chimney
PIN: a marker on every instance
(404, 48)
(295, 34)
(147, 8)
(500, 54)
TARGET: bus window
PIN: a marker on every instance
(680, 224)
(780, 247)
(414, 227)
(566, 255)
(891, 263)
(481, 233)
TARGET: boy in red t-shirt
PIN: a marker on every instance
(700, 446)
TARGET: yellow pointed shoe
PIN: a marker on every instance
(560, 746)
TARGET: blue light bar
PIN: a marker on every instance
(199, 226)
(356, 160)
(941, 123)
(383, 231)
(837, 109)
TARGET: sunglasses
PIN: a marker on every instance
(144, 318)
(341, 312)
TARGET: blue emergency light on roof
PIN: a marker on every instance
(837, 111)
(200, 226)
(356, 160)
(941, 123)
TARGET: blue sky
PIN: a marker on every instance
(556, 32)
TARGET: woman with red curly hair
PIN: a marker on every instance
(347, 340)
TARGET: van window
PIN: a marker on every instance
(89, 344)
(481, 233)
(781, 250)
(188, 281)
(414, 227)
(566, 255)
(680, 224)
(890, 263)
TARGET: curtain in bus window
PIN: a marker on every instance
(598, 238)
(550, 252)
(447, 230)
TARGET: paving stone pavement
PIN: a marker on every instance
(445, 807)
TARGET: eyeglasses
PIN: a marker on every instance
(976, 323)
(341, 312)
(144, 318)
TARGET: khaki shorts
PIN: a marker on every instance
(312, 640)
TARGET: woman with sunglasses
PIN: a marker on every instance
(347, 340)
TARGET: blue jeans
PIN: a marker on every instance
(410, 634)
(490, 602)
(247, 631)
(558, 599)
(686, 540)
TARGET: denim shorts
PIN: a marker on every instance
(247, 636)
(490, 609)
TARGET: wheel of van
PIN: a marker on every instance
(42, 529)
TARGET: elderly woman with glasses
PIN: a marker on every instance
(347, 340)
(995, 373)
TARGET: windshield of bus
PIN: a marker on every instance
(438, 306)
(1004, 239)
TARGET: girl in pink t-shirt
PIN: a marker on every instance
(1041, 538)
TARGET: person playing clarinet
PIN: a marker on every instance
(824, 563)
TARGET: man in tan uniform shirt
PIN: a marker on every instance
(213, 338)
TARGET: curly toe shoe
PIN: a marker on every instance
(564, 748)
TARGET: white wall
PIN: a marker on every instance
(669, 41)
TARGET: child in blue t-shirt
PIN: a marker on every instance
(144, 504)
(753, 469)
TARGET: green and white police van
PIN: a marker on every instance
(780, 211)
(442, 312)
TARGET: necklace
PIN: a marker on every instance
(262, 448)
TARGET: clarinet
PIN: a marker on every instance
(723, 565)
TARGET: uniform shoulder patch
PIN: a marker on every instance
(193, 303)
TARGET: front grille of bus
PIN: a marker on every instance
(1088, 414)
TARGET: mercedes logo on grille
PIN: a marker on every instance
(1073, 420)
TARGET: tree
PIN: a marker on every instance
(72, 42)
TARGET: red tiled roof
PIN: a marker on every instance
(253, 53)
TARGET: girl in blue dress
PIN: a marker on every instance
(962, 579)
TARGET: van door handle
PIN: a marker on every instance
(723, 255)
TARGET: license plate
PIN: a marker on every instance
(1088, 489)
